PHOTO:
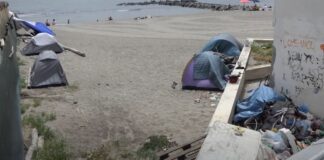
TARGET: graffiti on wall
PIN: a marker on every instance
(304, 61)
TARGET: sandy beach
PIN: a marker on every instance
(122, 90)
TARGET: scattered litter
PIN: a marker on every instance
(174, 84)
(213, 99)
(197, 100)
(286, 128)
(274, 141)
(213, 105)
(239, 131)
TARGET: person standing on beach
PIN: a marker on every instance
(47, 23)
(68, 21)
(53, 22)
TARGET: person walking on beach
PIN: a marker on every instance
(53, 22)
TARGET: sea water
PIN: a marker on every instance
(80, 11)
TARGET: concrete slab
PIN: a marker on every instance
(228, 142)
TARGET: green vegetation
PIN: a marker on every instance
(262, 51)
(38, 122)
(111, 151)
(37, 102)
(23, 83)
(21, 62)
(117, 151)
(154, 144)
(54, 147)
(49, 117)
(24, 107)
(73, 87)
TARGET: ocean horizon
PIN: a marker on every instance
(87, 11)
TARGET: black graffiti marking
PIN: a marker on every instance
(298, 90)
(308, 57)
(313, 78)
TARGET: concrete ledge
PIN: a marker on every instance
(257, 72)
(226, 105)
(222, 141)
(229, 142)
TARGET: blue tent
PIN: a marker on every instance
(37, 27)
(224, 43)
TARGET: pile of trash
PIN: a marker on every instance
(285, 127)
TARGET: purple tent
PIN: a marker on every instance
(188, 82)
(207, 70)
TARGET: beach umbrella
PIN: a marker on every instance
(244, 1)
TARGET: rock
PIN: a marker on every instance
(213, 99)
(174, 84)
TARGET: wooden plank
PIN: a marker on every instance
(181, 155)
(33, 146)
(165, 154)
(228, 142)
(73, 50)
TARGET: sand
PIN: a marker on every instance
(122, 89)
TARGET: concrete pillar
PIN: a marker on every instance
(299, 45)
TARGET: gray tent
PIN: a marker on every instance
(47, 71)
(42, 42)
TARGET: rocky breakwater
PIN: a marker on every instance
(200, 5)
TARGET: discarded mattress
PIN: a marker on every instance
(47, 71)
(205, 71)
(224, 43)
(42, 42)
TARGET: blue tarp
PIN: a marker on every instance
(37, 27)
(209, 65)
(224, 43)
(255, 103)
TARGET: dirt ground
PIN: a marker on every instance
(122, 89)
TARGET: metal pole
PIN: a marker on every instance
(11, 144)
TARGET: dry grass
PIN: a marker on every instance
(262, 51)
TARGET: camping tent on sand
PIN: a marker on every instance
(224, 43)
(208, 69)
(47, 71)
(42, 42)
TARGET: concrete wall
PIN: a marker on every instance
(299, 42)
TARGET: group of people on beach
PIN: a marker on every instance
(108, 19)
(47, 23)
